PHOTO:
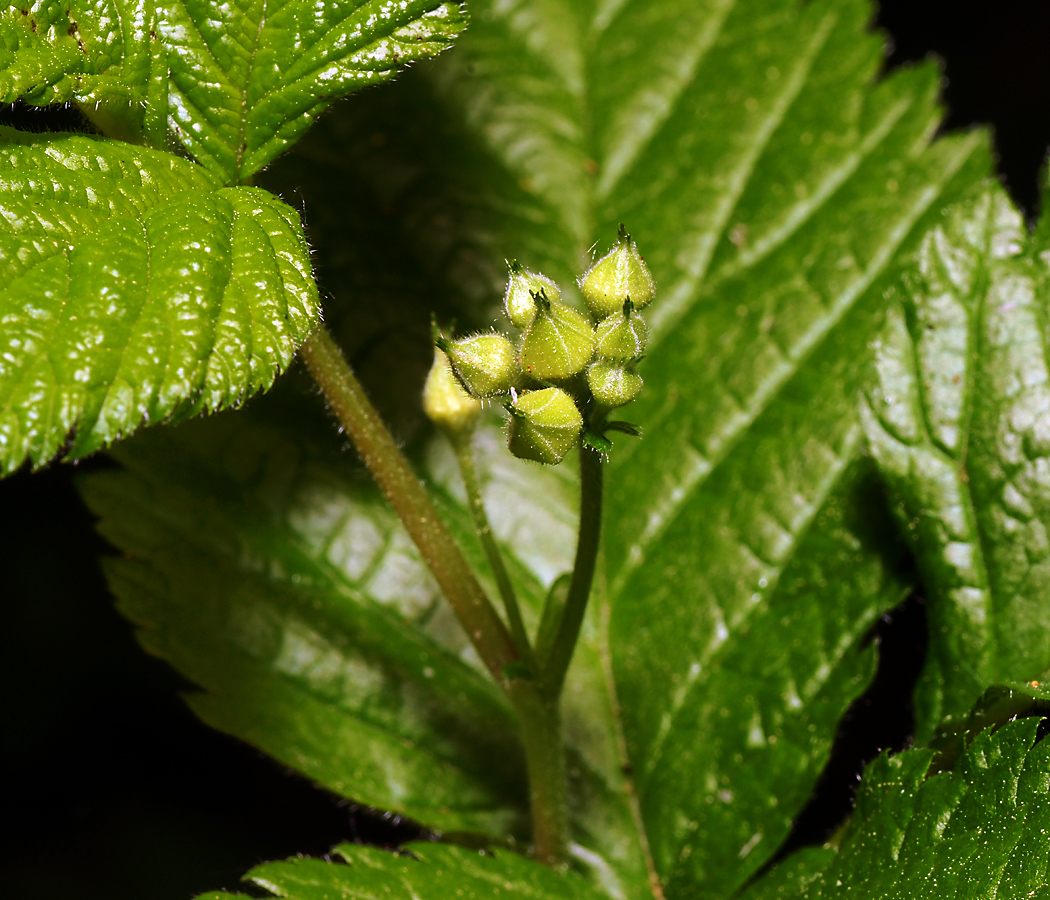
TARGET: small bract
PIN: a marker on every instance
(544, 425)
(445, 402)
(622, 336)
(522, 284)
(558, 344)
(618, 276)
(613, 384)
(485, 364)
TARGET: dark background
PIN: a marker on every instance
(110, 789)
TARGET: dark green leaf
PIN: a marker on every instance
(420, 872)
(135, 288)
(958, 422)
(236, 84)
(978, 831)
(774, 187)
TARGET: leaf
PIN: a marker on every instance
(958, 423)
(105, 56)
(135, 289)
(978, 831)
(259, 564)
(775, 188)
(422, 872)
(236, 85)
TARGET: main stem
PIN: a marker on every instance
(557, 663)
(536, 701)
(540, 722)
(395, 477)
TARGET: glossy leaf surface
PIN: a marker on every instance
(958, 422)
(978, 831)
(135, 288)
(235, 83)
(774, 188)
(424, 872)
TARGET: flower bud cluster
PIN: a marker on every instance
(566, 370)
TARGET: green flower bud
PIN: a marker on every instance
(544, 425)
(618, 276)
(558, 344)
(445, 402)
(613, 384)
(485, 364)
(622, 336)
(522, 284)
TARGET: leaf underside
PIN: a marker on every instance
(135, 288)
(775, 188)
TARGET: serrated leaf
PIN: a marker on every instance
(978, 831)
(771, 186)
(235, 85)
(135, 289)
(105, 56)
(421, 872)
(958, 424)
(774, 187)
(264, 569)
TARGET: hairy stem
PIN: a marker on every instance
(395, 477)
(465, 456)
(557, 663)
(540, 722)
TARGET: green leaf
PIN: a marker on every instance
(978, 831)
(775, 187)
(235, 85)
(420, 871)
(958, 424)
(259, 563)
(105, 56)
(135, 289)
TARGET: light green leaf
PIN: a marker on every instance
(234, 84)
(135, 288)
(105, 56)
(978, 831)
(420, 872)
(958, 424)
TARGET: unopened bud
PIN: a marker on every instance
(522, 284)
(618, 276)
(558, 344)
(485, 364)
(613, 384)
(622, 336)
(544, 425)
(445, 402)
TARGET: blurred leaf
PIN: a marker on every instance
(978, 831)
(236, 85)
(135, 289)
(958, 422)
(421, 871)
(262, 566)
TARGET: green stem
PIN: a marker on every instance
(465, 455)
(540, 723)
(406, 493)
(557, 663)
